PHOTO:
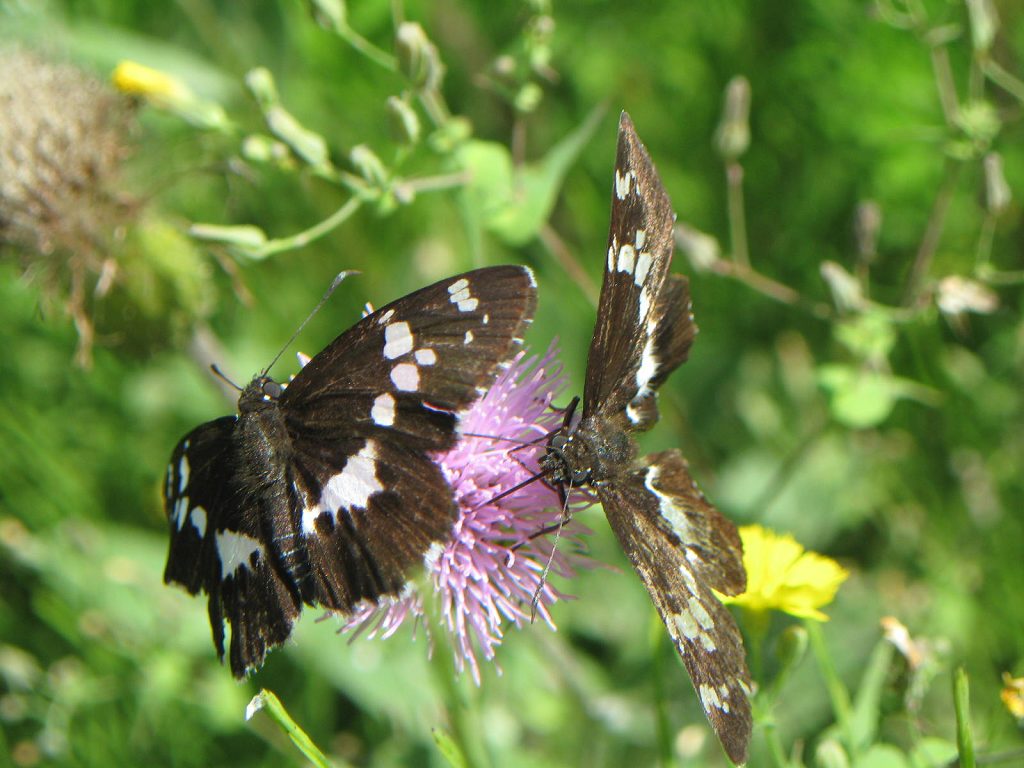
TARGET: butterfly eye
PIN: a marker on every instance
(580, 476)
(272, 389)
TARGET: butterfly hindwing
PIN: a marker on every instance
(323, 492)
(218, 546)
(671, 340)
(369, 525)
(191, 493)
(682, 548)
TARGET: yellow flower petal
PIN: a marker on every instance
(782, 576)
(137, 79)
(1013, 695)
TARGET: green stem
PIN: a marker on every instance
(1004, 79)
(268, 702)
(466, 732)
(307, 236)
(737, 216)
(771, 735)
(368, 49)
(983, 253)
(662, 726)
(1002, 277)
(962, 707)
(837, 692)
(933, 231)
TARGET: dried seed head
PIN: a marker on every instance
(63, 137)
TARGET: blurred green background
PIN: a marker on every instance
(856, 382)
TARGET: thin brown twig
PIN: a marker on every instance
(567, 259)
(770, 288)
(945, 83)
(933, 231)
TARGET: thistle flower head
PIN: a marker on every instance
(496, 561)
(63, 137)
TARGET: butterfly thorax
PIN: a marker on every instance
(595, 450)
(262, 437)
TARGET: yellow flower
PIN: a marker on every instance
(139, 80)
(1013, 695)
(168, 92)
(783, 576)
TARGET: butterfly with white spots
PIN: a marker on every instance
(680, 545)
(321, 491)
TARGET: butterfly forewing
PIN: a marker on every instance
(439, 345)
(621, 361)
(323, 492)
(682, 548)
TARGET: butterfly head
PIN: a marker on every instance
(261, 392)
(562, 464)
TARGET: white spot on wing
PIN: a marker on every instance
(426, 356)
(611, 256)
(673, 515)
(235, 551)
(643, 266)
(406, 377)
(701, 614)
(397, 340)
(687, 625)
(198, 518)
(183, 472)
(641, 239)
(648, 367)
(622, 183)
(643, 305)
(350, 488)
(468, 338)
(709, 697)
(386, 317)
(627, 258)
(632, 414)
(383, 411)
(180, 511)
(460, 296)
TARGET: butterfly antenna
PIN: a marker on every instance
(551, 558)
(509, 491)
(220, 375)
(334, 285)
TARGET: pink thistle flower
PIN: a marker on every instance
(495, 562)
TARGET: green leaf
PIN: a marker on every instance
(860, 399)
(514, 203)
(449, 749)
(240, 235)
(931, 751)
(866, 704)
(882, 756)
(870, 335)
